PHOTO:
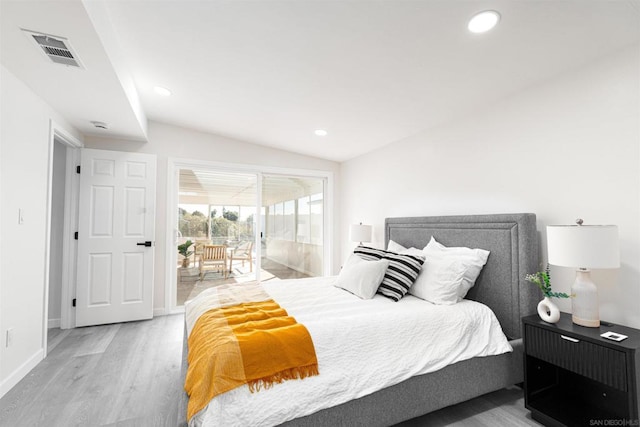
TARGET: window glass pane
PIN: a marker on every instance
(271, 221)
(246, 222)
(220, 225)
(289, 220)
(304, 234)
(316, 221)
(295, 244)
(192, 221)
(279, 221)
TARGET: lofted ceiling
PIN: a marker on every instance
(271, 72)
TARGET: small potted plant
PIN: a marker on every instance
(183, 249)
(547, 310)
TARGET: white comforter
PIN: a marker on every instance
(362, 346)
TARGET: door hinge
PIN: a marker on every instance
(75, 235)
(78, 169)
(73, 303)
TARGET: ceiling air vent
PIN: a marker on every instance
(57, 49)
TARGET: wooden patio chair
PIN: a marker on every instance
(198, 247)
(242, 253)
(214, 257)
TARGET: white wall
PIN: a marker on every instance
(24, 168)
(567, 148)
(171, 141)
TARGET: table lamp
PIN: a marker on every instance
(360, 233)
(584, 247)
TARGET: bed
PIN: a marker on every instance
(512, 240)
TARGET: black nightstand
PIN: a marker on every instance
(574, 377)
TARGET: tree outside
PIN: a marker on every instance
(192, 224)
(225, 228)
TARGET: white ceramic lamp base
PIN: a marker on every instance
(584, 304)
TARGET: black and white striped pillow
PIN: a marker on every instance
(401, 273)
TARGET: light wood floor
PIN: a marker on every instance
(129, 375)
(501, 408)
(115, 375)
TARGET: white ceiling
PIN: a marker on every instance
(271, 72)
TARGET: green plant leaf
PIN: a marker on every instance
(543, 280)
(183, 249)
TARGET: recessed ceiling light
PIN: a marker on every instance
(484, 21)
(162, 91)
(320, 132)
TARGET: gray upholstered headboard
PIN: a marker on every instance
(513, 242)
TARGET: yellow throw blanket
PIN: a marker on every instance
(255, 343)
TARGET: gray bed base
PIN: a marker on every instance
(423, 394)
(513, 242)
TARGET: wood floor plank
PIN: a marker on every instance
(37, 384)
(51, 407)
(501, 408)
(55, 337)
(96, 343)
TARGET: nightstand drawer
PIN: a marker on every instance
(597, 362)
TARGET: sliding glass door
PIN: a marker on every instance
(270, 227)
(215, 210)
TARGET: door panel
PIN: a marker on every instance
(133, 277)
(117, 215)
(99, 279)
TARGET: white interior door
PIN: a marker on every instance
(116, 233)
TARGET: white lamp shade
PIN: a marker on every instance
(360, 233)
(583, 246)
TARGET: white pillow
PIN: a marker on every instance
(399, 249)
(439, 281)
(360, 277)
(471, 259)
(395, 247)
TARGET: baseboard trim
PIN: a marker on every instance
(22, 371)
(159, 312)
(177, 310)
(53, 323)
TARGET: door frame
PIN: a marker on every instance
(70, 244)
(73, 145)
(173, 167)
